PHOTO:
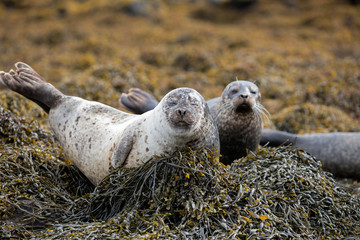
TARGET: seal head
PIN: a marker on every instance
(183, 109)
(241, 96)
(187, 114)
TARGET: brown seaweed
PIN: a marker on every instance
(307, 52)
(273, 193)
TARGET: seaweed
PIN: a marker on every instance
(33, 167)
(312, 118)
(300, 193)
(272, 193)
(306, 53)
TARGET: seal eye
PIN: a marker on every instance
(172, 103)
(192, 101)
(234, 91)
(253, 91)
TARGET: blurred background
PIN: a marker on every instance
(304, 55)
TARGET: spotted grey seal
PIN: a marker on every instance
(98, 138)
(237, 114)
(339, 152)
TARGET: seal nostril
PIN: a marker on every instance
(244, 95)
(182, 112)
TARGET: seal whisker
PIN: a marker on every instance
(263, 112)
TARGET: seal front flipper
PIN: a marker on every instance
(137, 101)
(123, 150)
(31, 85)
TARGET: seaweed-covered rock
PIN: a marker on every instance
(300, 193)
(152, 58)
(190, 62)
(94, 89)
(14, 3)
(311, 118)
(275, 193)
(33, 169)
(20, 106)
(142, 8)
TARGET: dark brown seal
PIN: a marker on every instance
(98, 138)
(339, 152)
(237, 114)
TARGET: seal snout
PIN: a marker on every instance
(243, 103)
(244, 96)
(182, 117)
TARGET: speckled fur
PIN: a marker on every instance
(238, 134)
(98, 138)
(239, 129)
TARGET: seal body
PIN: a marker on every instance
(339, 152)
(237, 114)
(98, 138)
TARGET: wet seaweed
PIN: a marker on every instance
(33, 169)
(301, 193)
(273, 193)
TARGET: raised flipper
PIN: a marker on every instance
(137, 101)
(31, 85)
